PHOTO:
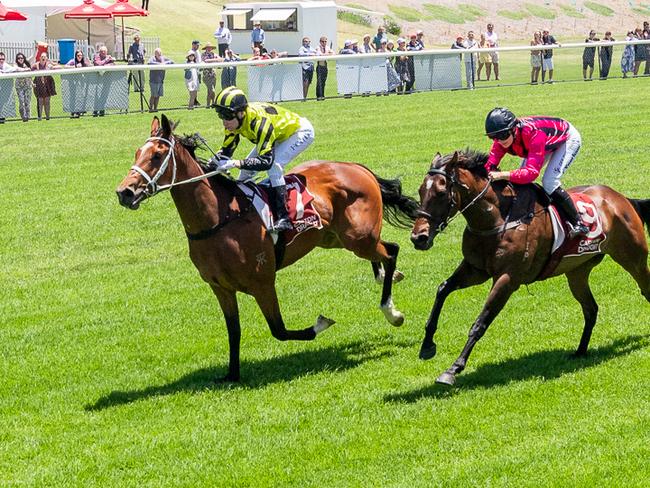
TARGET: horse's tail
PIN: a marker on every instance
(642, 207)
(399, 210)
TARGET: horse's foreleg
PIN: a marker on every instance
(378, 272)
(579, 286)
(464, 276)
(498, 297)
(228, 301)
(267, 300)
(394, 316)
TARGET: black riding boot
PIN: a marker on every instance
(562, 199)
(282, 222)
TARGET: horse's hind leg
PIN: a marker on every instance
(390, 250)
(379, 274)
(267, 300)
(579, 285)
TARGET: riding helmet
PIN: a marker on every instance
(230, 101)
(499, 120)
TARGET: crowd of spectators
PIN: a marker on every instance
(400, 68)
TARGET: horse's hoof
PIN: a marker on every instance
(394, 316)
(398, 276)
(322, 323)
(427, 352)
(447, 379)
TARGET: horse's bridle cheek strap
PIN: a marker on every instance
(152, 181)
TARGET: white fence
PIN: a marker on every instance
(111, 89)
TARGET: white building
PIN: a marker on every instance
(284, 24)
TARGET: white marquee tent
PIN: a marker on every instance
(45, 20)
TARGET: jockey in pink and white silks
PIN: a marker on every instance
(537, 139)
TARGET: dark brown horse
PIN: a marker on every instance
(513, 255)
(232, 249)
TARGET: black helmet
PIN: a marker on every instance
(499, 121)
(229, 102)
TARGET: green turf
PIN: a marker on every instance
(110, 340)
(471, 12)
(540, 11)
(571, 11)
(405, 13)
(353, 18)
(513, 14)
(447, 14)
(599, 8)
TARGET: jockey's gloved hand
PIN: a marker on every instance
(226, 164)
(215, 161)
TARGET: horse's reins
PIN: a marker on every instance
(452, 181)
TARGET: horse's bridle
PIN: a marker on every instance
(153, 187)
(451, 181)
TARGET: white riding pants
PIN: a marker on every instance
(285, 152)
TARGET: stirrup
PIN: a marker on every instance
(282, 225)
(580, 229)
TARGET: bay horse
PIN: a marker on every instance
(515, 254)
(232, 249)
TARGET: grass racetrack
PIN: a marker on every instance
(110, 340)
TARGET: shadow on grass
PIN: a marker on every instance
(543, 364)
(258, 373)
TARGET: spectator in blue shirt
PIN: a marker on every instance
(257, 36)
(307, 68)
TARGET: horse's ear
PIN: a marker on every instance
(435, 159)
(453, 162)
(155, 126)
(166, 127)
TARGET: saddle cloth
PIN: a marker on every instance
(302, 212)
(579, 245)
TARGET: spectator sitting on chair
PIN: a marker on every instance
(257, 35)
(307, 68)
(157, 78)
(79, 61)
(102, 58)
(223, 37)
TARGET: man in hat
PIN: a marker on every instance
(257, 36)
(209, 76)
(223, 37)
(347, 47)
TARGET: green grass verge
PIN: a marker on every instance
(358, 6)
(599, 8)
(641, 10)
(471, 12)
(110, 340)
(447, 14)
(512, 14)
(543, 12)
(354, 18)
(405, 13)
(571, 11)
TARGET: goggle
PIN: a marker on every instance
(500, 136)
(225, 113)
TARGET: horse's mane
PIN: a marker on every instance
(468, 158)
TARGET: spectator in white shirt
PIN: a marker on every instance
(307, 68)
(493, 41)
(223, 37)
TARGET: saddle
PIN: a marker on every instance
(302, 212)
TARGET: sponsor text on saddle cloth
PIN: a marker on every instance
(580, 245)
(299, 200)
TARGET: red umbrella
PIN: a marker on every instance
(122, 8)
(88, 10)
(6, 14)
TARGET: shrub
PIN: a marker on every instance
(354, 18)
(392, 27)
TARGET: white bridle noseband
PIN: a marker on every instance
(153, 187)
(152, 182)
